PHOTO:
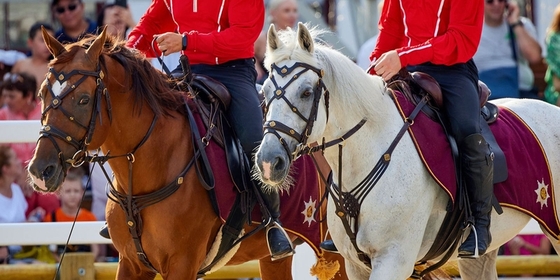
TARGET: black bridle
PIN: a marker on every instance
(272, 126)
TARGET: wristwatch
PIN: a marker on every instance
(184, 42)
(518, 22)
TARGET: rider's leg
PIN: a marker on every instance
(278, 241)
(459, 84)
(245, 116)
(477, 169)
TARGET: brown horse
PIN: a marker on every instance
(100, 94)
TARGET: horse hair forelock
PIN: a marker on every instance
(342, 75)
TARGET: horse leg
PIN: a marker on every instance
(276, 270)
(127, 269)
(481, 268)
(355, 272)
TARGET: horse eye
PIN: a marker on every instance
(84, 100)
(306, 93)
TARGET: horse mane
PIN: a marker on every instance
(146, 83)
(349, 84)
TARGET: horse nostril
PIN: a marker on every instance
(280, 164)
(48, 172)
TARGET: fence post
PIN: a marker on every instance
(77, 266)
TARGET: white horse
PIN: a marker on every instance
(400, 217)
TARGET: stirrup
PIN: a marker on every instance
(464, 254)
(283, 254)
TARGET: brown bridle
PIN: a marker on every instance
(51, 132)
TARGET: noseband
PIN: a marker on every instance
(274, 127)
(51, 132)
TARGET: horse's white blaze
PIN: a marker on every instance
(40, 184)
(266, 170)
(58, 88)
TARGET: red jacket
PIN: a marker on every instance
(437, 31)
(218, 30)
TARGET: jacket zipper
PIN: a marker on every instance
(195, 6)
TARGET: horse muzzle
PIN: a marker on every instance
(46, 176)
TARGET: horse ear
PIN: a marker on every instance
(54, 46)
(304, 38)
(273, 41)
(94, 51)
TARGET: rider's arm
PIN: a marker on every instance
(156, 20)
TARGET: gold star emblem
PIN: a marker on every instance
(542, 193)
(309, 211)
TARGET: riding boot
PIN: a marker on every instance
(328, 245)
(278, 241)
(477, 171)
(104, 231)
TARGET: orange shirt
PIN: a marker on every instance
(83, 216)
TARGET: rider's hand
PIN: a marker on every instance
(169, 42)
(388, 65)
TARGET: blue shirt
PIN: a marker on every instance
(64, 38)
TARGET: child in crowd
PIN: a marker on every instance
(70, 194)
(37, 63)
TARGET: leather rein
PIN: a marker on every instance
(347, 204)
(131, 204)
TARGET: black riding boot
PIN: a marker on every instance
(328, 245)
(477, 171)
(279, 243)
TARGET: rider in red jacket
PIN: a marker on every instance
(218, 37)
(216, 31)
(440, 37)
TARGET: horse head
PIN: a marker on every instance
(296, 101)
(71, 100)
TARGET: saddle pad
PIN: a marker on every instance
(528, 187)
(300, 211)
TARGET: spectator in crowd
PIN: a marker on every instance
(37, 63)
(528, 244)
(4, 255)
(283, 14)
(508, 45)
(220, 46)
(70, 14)
(19, 91)
(12, 200)
(7, 60)
(118, 19)
(71, 193)
(362, 58)
(552, 76)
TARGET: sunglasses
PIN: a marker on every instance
(61, 10)
(492, 1)
(12, 77)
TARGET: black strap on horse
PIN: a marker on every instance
(348, 203)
